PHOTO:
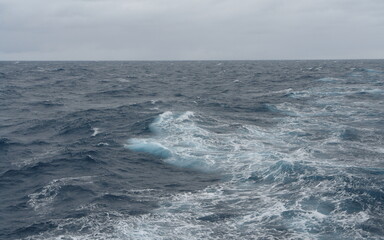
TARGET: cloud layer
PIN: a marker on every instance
(190, 29)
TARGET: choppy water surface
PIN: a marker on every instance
(192, 150)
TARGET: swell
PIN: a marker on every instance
(192, 150)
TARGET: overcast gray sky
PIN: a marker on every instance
(191, 29)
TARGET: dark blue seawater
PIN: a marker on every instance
(192, 150)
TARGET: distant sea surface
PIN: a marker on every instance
(192, 150)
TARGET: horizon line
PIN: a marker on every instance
(197, 60)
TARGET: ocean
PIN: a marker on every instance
(192, 150)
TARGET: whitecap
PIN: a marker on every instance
(123, 80)
(95, 131)
(330, 79)
(102, 144)
(154, 148)
(41, 201)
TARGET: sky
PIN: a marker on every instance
(191, 29)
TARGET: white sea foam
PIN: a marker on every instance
(262, 167)
(95, 131)
(42, 200)
(183, 143)
(123, 80)
(331, 79)
(154, 148)
(102, 144)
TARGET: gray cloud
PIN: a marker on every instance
(190, 29)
